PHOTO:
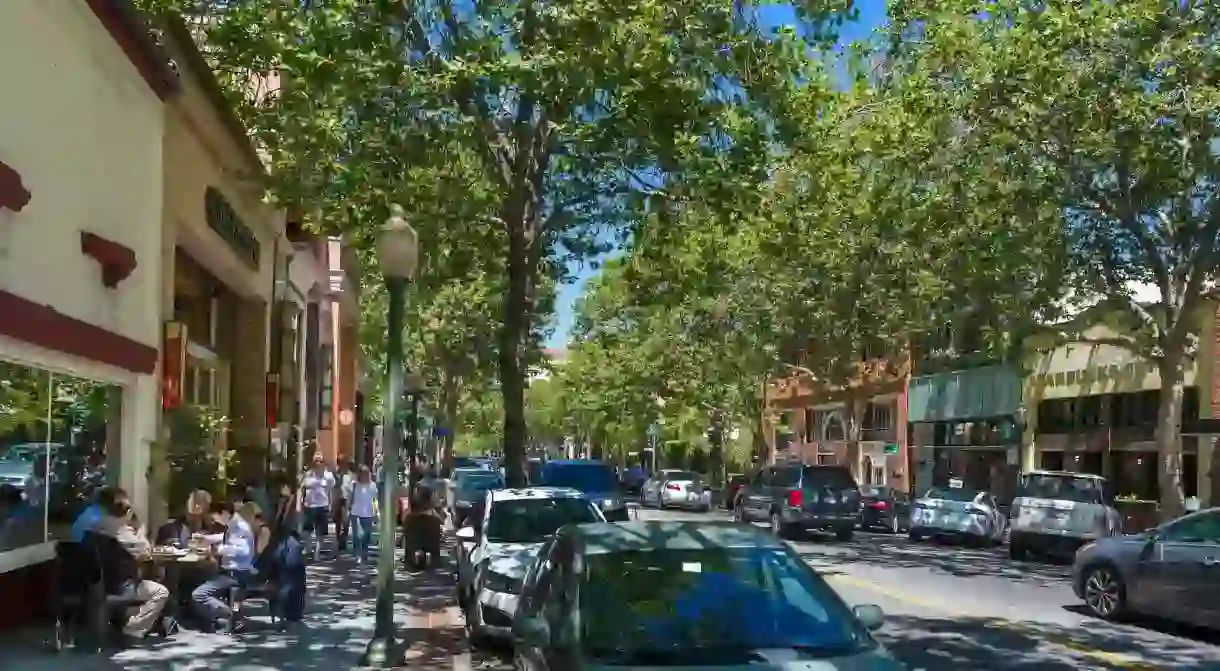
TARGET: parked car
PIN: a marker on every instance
(731, 487)
(1055, 513)
(884, 508)
(469, 486)
(675, 488)
(595, 479)
(1169, 572)
(957, 512)
(798, 498)
(649, 595)
(515, 523)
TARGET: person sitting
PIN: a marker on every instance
(213, 600)
(110, 539)
(89, 517)
(422, 530)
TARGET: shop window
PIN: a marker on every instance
(55, 431)
(1056, 415)
(1050, 461)
(879, 416)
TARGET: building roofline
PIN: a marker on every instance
(130, 30)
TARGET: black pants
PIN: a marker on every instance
(341, 524)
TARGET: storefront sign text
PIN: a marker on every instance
(1090, 376)
(223, 219)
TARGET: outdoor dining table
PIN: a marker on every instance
(171, 565)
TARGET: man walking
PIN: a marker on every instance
(318, 484)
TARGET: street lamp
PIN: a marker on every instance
(414, 389)
(398, 260)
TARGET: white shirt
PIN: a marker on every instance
(236, 547)
(317, 488)
(362, 497)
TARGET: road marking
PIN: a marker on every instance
(1125, 661)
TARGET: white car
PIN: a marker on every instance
(675, 488)
(503, 544)
(957, 512)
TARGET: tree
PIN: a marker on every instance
(569, 109)
(1116, 104)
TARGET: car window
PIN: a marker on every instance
(785, 477)
(1058, 487)
(831, 477)
(759, 479)
(960, 494)
(678, 476)
(589, 477)
(532, 520)
(1201, 528)
(666, 607)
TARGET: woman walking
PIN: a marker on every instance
(363, 501)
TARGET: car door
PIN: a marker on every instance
(755, 499)
(1180, 577)
(545, 600)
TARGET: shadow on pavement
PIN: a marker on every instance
(896, 552)
(985, 643)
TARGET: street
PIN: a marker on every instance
(962, 608)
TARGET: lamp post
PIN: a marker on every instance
(415, 389)
(398, 259)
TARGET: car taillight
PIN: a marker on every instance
(879, 505)
(796, 498)
(673, 488)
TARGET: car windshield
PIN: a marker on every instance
(961, 494)
(533, 520)
(666, 607)
(679, 476)
(480, 481)
(876, 492)
(1061, 488)
(593, 478)
(464, 462)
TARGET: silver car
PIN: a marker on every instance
(1056, 512)
(675, 488)
(1171, 572)
(957, 512)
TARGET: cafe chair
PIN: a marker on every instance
(76, 575)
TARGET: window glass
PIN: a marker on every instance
(1062, 488)
(684, 607)
(533, 520)
(785, 477)
(54, 433)
(1201, 528)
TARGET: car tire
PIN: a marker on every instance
(914, 536)
(739, 515)
(894, 527)
(844, 534)
(1016, 550)
(1105, 595)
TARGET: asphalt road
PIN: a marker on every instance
(951, 607)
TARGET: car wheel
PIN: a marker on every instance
(914, 536)
(894, 526)
(1016, 551)
(739, 515)
(844, 534)
(1104, 593)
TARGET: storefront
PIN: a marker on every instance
(965, 426)
(80, 270)
(226, 262)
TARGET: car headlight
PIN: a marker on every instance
(498, 582)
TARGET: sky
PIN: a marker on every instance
(872, 15)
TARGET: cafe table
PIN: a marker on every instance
(169, 565)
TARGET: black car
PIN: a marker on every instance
(797, 498)
(885, 508)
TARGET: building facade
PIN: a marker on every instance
(80, 270)
(861, 425)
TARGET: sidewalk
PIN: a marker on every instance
(338, 624)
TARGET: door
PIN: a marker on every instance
(755, 499)
(1180, 579)
(534, 604)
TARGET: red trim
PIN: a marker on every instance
(129, 29)
(44, 326)
(13, 193)
(118, 261)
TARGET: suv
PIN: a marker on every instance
(797, 498)
(1056, 512)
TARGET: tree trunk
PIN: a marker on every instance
(450, 392)
(1169, 439)
(716, 454)
(517, 318)
(851, 420)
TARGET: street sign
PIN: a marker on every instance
(891, 448)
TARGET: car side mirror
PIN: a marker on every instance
(467, 533)
(532, 631)
(872, 617)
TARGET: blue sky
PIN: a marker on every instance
(872, 14)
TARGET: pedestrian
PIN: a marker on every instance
(343, 493)
(363, 500)
(318, 484)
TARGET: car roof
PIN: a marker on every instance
(576, 462)
(535, 493)
(1068, 474)
(611, 537)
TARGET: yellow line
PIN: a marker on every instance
(1127, 662)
